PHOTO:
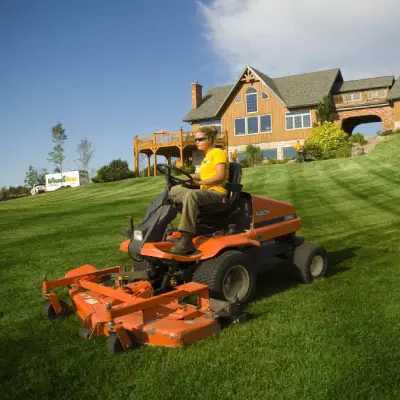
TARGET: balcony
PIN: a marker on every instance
(168, 139)
(170, 144)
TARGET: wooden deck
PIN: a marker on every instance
(169, 144)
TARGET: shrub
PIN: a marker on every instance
(357, 138)
(328, 137)
(272, 161)
(312, 152)
(117, 170)
(343, 152)
(243, 163)
(254, 155)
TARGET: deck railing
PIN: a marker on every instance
(165, 139)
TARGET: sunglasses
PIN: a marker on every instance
(200, 139)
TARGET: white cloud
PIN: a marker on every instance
(281, 37)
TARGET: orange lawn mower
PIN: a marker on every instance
(172, 299)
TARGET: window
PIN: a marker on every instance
(376, 94)
(241, 156)
(253, 125)
(270, 153)
(352, 96)
(264, 96)
(238, 99)
(298, 120)
(215, 122)
(251, 100)
(265, 123)
(240, 126)
(289, 152)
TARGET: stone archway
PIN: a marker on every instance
(348, 124)
(351, 117)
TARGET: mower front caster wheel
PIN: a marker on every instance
(311, 261)
(114, 345)
(50, 313)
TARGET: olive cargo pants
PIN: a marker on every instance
(191, 200)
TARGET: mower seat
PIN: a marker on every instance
(234, 188)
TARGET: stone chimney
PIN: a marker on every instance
(197, 95)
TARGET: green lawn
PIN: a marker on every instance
(338, 338)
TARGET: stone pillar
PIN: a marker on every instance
(279, 152)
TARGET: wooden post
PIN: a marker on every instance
(136, 163)
(135, 156)
(168, 158)
(181, 151)
(148, 165)
(181, 136)
(155, 162)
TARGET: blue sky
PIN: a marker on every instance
(105, 70)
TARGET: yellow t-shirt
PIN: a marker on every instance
(207, 170)
(298, 147)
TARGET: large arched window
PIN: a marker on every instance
(251, 100)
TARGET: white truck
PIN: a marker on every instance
(38, 189)
(67, 179)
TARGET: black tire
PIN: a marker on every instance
(114, 345)
(311, 260)
(231, 264)
(51, 314)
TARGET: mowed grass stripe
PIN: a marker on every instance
(335, 338)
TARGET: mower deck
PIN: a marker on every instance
(129, 313)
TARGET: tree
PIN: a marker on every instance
(57, 156)
(41, 176)
(35, 177)
(323, 110)
(31, 177)
(117, 170)
(85, 153)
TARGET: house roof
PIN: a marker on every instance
(211, 102)
(294, 91)
(365, 84)
(394, 92)
(306, 89)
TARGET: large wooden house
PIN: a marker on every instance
(273, 113)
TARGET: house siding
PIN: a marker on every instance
(339, 102)
(272, 105)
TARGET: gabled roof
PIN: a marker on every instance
(294, 91)
(394, 93)
(210, 104)
(308, 89)
(365, 84)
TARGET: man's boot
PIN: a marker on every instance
(185, 244)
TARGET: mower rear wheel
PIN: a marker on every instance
(311, 261)
(115, 346)
(229, 276)
(51, 314)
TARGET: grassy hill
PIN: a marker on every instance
(336, 338)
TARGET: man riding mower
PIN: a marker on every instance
(187, 283)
